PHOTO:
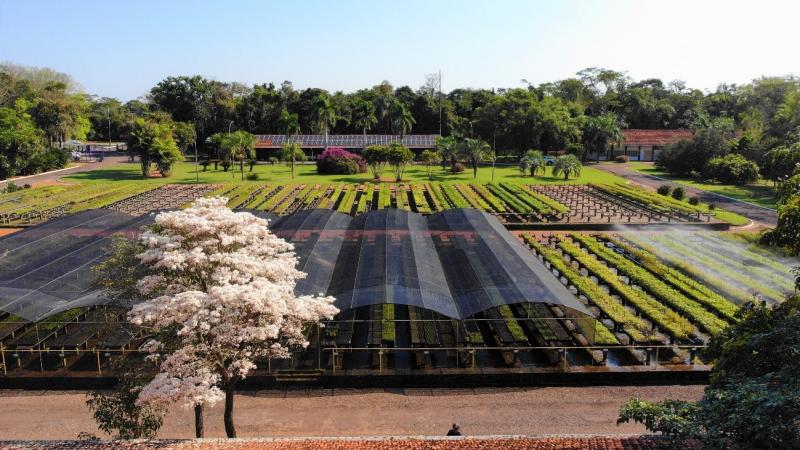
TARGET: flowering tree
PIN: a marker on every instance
(223, 284)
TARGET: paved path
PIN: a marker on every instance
(361, 412)
(756, 213)
(52, 177)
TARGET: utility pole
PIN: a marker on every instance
(440, 101)
(108, 116)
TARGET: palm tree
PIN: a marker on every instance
(402, 119)
(600, 133)
(448, 148)
(239, 145)
(364, 117)
(291, 153)
(324, 116)
(569, 165)
(474, 151)
(533, 161)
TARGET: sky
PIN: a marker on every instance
(122, 48)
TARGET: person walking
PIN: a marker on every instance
(454, 431)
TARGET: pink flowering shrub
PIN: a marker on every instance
(340, 161)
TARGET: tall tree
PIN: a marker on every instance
(20, 139)
(224, 286)
(324, 115)
(600, 133)
(402, 120)
(239, 145)
(146, 138)
(364, 117)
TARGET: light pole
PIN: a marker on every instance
(233, 171)
(494, 150)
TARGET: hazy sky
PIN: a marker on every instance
(122, 48)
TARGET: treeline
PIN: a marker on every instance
(581, 115)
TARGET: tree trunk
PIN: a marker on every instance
(230, 391)
(241, 166)
(198, 421)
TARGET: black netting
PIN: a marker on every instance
(486, 266)
(458, 263)
(48, 269)
(388, 257)
(317, 235)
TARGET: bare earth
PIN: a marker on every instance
(509, 411)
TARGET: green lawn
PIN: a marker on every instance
(761, 193)
(307, 173)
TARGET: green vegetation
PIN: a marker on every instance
(679, 280)
(665, 204)
(693, 310)
(752, 401)
(651, 308)
(307, 173)
(387, 323)
(631, 324)
(759, 193)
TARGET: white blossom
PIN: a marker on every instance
(225, 284)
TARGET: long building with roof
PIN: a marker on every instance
(269, 144)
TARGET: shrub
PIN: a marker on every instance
(50, 159)
(205, 164)
(273, 160)
(622, 159)
(732, 169)
(252, 176)
(458, 167)
(678, 193)
(11, 187)
(664, 189)
(712, 206)
(338, 161)
(693, 200)
(226, 164)
(685, 156)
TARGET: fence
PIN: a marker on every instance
(391, 345)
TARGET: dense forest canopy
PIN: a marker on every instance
(574, 114)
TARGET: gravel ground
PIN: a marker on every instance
(508, 411)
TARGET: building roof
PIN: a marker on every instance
(635, 136)
(416, 141)
(372, 443)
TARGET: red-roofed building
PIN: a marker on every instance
(644, 145)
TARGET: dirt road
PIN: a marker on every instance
(533, 411)
(753, 212)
